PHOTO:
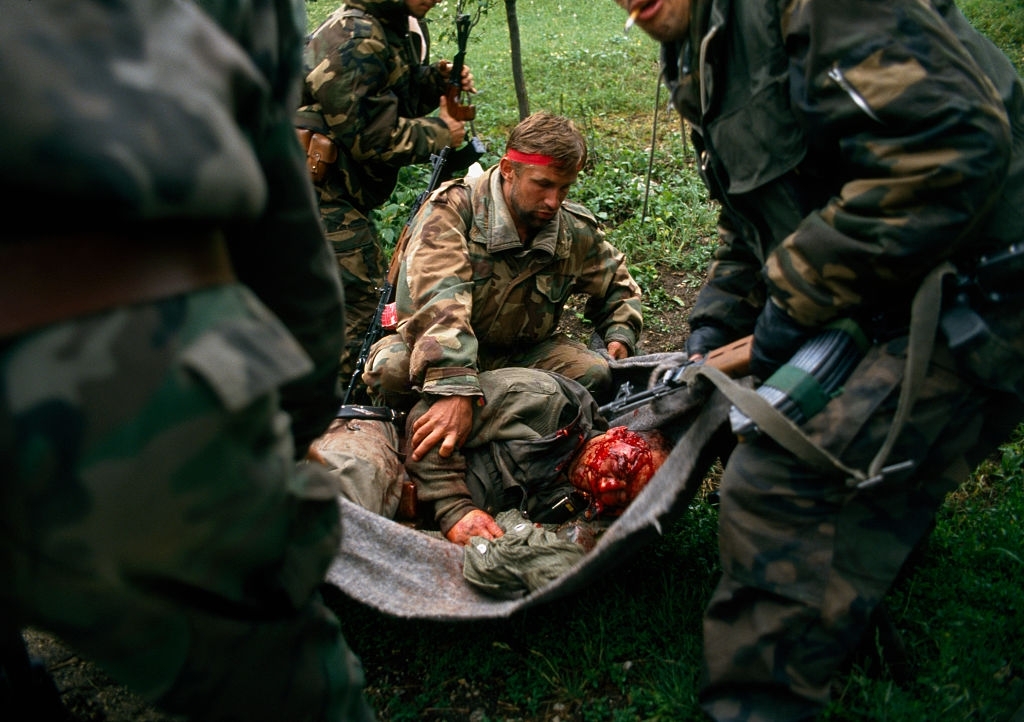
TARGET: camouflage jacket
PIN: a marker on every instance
(364, 78)
(522, 442)
(853, 146)
(170, 143)
(467, 281)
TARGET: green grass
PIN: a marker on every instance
(962, 611)
(1002, 21)
(630, 647)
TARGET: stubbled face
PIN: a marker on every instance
(534, 193)
(663, 20)
(419, 8)
(615, 466)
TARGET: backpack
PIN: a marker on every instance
(532, 474)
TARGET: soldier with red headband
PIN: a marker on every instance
(490, 264)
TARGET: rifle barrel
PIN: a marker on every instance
(732, 359)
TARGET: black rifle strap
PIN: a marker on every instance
(370, 413)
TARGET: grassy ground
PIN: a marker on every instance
(630, 647)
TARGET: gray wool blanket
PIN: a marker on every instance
(408, 574)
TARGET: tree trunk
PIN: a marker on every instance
(517, 59)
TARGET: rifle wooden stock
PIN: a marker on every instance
(456, 109)
(732, 359)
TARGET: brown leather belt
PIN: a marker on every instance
(44, 280)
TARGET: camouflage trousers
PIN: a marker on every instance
(361, 264)
(152, 516)
(806, 558)
(387, 375)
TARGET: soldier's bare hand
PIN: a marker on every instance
(618, 350)
(456, 128)
(475, 523)
(447, 422)
(465, 82)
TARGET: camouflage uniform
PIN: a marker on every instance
(472, 297)
(853, 147)
(366, 85)
(151, 510)
(525, 434)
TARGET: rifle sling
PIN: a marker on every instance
(923, 327)
(370, 413)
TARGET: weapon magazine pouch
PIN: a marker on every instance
(320, 154)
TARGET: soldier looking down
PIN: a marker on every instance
(489, 267)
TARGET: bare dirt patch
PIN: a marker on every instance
(665, 326)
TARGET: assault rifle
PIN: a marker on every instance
(798, 390)
(474, 148)
(732, 359)
(387, 298)
(456, 109)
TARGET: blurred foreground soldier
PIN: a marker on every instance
(369, 89)
(490, 265)
(854, 146)
(151, 511)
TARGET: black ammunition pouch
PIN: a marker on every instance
(984, 321)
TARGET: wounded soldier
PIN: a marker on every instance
(538, 445)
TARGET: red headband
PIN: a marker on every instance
(528, 158)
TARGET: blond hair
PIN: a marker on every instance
(551, 135)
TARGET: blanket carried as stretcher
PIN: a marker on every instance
(409, 574)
